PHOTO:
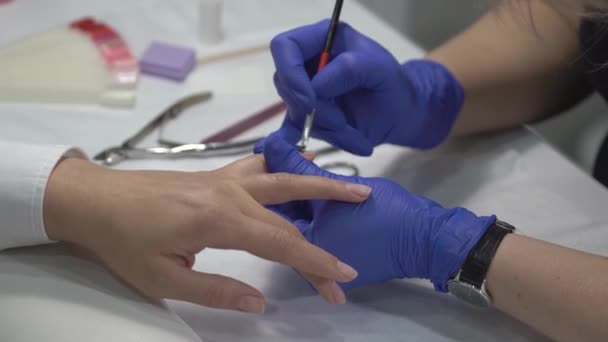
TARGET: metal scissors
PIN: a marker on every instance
(217, 145)
(128, 150)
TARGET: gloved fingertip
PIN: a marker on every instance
(279, 154)
(364, 150)
(288, 132)
(324, 23)
(301, 98)
(330, 116)
(259, 146)
(325, 80)
(345, 73)
(347, 139)
(303, 226)
(307, 100)
(363, 146)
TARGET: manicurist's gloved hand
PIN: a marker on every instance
(394, 234)
(363, 97)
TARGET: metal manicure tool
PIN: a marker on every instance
(219, 144)
(168, 150)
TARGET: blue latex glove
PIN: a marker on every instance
(393, 235)
(363, 97)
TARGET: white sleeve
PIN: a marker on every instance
(24, 172)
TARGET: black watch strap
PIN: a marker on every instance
(478, 261)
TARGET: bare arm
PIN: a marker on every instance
(561, 292)
(517, 67)
(517, 64)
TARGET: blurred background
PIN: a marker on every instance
(576, 133)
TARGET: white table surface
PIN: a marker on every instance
(47, 293)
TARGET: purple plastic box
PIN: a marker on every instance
(168, 61)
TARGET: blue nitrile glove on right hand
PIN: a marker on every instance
(363, 97)
(393, 235)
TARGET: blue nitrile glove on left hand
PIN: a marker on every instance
(393, 235)
(363, 97)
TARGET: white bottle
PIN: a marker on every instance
(210, 21)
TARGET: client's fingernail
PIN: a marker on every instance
(359, 190)
(309, 155)
(338, 294)
(347, 272)
(252, 304)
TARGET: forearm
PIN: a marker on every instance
(72, 208)
(558, 291)
(515, 67)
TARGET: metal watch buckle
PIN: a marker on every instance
(470, 293)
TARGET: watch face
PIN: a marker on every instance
(468, 293)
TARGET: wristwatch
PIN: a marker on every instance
(469, 284)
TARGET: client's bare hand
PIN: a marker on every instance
(147, 226)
